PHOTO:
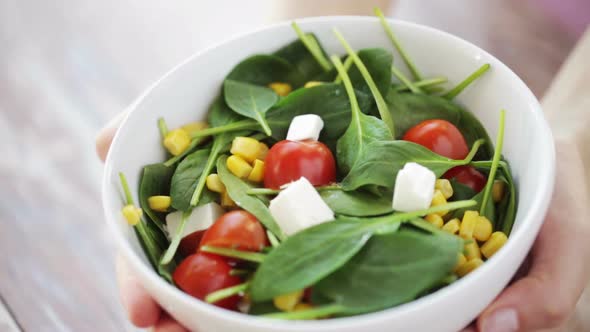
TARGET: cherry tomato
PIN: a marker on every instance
(201, 274)
(288, 161)
(439, 136)
(236, 229)
(190, 243)
(468, 176)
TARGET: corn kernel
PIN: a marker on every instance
(468, 224)
(282, 89)
(245, 147)
(469, 267)
(498, 191)
(452, 226)
(262, 152)
(214, 183)
(471, 250)
(460, 261)
(257, 174)
(176, 141)
(159, 203)
(194, 127)
(311, 84)
(445, 187)
(302, 307)
(132, 214)
(435, 220)
(238, 166)
(483, 229)
(226, 201)
(287, 302)
(439, 199)
(496, 241)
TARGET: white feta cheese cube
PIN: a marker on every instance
(307, 126)
(200, 219)
(414, 188)
(299, 206)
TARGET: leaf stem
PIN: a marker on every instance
(465, 83)
(476, 145)
(255, 257)
(234, 126)
(400, 76)
(163, 127)
(495, 162)
(268, 191)
(226, 292)
(171, 251)
(347, 63)
(312, 47)
(354, 105)
(318, 312)
(194, 143)
(425, 83)
(398, 45)
(274, 242)
(238, 272)
(126, 191)
(434, 209)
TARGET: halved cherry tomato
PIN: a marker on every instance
(190, 243)
(288, 161)
(201, 274)
(439, 136)
(236, 229)
(468, 176)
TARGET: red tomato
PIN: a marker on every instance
(468, 176)
(439, 136)
(190, 243)
(288, 161)
(236, 229)
(201, 274)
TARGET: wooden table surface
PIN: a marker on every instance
(68, 66)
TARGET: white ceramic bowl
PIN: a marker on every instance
(184, 94)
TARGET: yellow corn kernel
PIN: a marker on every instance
(302, 306)
(159, 203)
(238, 166)
(257, 174)
(445, 187)
(226, 201)
(452, 226)
(282, 89)
(496, 241)
(439, 199)
(214, 183)
(498, 190)
(435, 220)
(287, 302)
(460, 261)
(262, 152)
(176, 141)
(471, 250)
(483, 229)
(468, 224)
(193, 127)
(132, 214)
(245, 147)
(311, 84)
(469, 267)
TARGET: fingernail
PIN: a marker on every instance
(503, 320)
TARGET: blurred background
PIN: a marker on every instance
(68, 66)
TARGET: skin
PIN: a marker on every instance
(542, 297)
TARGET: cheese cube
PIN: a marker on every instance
(307, 126)
(414, 188)
(299, 206)
(200, 219)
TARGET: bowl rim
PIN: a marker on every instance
(533, 218)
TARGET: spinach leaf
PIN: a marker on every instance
(184, 180)
(155, 180)
(262, 308)
(390, 270)
(507, 206)
(461, 191)
(378, 62)
(380, 162)
(237, 190)
(363, 128)
(264, 69)
(299, 56)
(313, 47)
(250, 100)
(220, 114)
(357, 203)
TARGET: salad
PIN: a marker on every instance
(324, 187)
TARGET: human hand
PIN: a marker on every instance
(546, 296)
(143, 311)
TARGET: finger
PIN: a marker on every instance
(168, 324)
(143, 311)
(548, 294)
(106, 135)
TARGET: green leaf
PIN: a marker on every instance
(390, 270)
(313, 47)
(237, 190)
(299, 56)
(184, 180)
(155, 180)
(220, 114)
(357, 203)
(378, 62)
(363, 128)
(507, 206)
(461, 191)
(250, 100)
(263, 69)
